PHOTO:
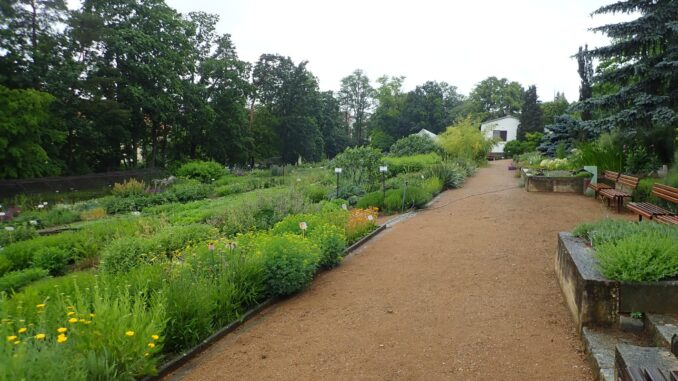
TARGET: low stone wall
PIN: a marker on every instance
(595, 300)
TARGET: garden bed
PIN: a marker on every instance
(595, 300)
(555, 182)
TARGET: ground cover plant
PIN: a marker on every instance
(633, 251)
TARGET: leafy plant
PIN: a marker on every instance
(640, 160)
(360, 166)
(127, 188)
(203, 171)
(413, 145)
(465, 140)
(451, 174)
(332, 241)
(15, 280)
(290, 261)
(373, 199)
(408, 164)
(638, 258)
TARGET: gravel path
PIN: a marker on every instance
(464, 290)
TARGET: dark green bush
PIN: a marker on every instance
(290, 261)
(332, 242)
(277, 170)
(189, 191)
(20, 233)
(643, 192)
(413, 145)
(53, 259)
(203, 171)
(414, 197)
(316, 193)
(15, 280)
(433, 185)
(374, 199)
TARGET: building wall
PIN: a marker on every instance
(508, 124)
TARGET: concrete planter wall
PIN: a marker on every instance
(569, 184)
(595, 300)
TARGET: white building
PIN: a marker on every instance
(427, 134)
(504, 129)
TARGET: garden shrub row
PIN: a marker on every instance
(121, 324)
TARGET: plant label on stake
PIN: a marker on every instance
(343, 206)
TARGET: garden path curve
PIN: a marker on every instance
(465, 290)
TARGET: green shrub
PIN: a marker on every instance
(332, 242)
(641, 160)
(529, 159)
(408, 164)
(127, 188)
(315, 193)
(465, 140)
(189, 191)
(433, 185)
(128, 252)
(290, 261)
(20, 233)
(638, 258)
(611, 230)
(413, 145)
(15, 280)
(203, 171)
(414, 197)
(643, 192)
(451, 174)
(360, 168)
(52, 259)
(277, 170)
(374, 199)
(605, 153)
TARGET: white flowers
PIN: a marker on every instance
(2, 214)
(9, 228)
(303, 225)
(33, 222)
(136, 213)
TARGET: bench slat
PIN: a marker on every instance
(668, 219)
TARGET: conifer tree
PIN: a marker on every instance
(531, 116)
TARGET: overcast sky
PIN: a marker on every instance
(460, 42)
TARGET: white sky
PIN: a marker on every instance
(460, 42)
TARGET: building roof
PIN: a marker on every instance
(498, 119)
(427, 133)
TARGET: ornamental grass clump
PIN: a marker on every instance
(633, 251)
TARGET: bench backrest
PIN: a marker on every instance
(628, 181)
(609, 175)
(666, 192)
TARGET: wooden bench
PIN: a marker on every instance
(648, 374)
(617, 195)
(652, 211)
(607, 175)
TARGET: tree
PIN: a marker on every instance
(558, 106)
(561, 133)
(332, 125)
(430, 106)
(384, 123)
(643, 102)
(493, 97)
(585, 70)
(531, 115)
(25, 135)
(356, 98)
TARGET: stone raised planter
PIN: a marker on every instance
(556, 184)
(595, 300)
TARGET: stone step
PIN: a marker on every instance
(600, 347)
(662, 328)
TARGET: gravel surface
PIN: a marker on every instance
(464, 290)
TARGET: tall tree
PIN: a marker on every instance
(384, 124)
(644, 102)
(356, 97)
(429, 106)
(585, 70)
(494, 97)
(531, 115)
(554, 108)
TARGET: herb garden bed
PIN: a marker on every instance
(595, 300)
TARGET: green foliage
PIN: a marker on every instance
(408, 164)
(332, 242)
(633, 251)
(15, 280)
(415, 197)
(316, 193)
(464, 140)
(380, 140)
(433, 185)
(373, 199)
(643, 192)
(529, 159)
(529, 144)
(531, 115)
(128, 252)
(188, 191)
(494, 97)
(203, 171)
(360, 166)
(554, 108)
(640, 160)
(20, 233)
(450, 174)
(289, 263)
(605, 153)
(53, 260)
(412, 145)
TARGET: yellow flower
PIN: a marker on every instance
(82, 320)
(72, 320)
(22, 329)
(62, 338)
(11, 338)
(151, 345)
(41, 305)
(62, 330)
(92, 315)
(40, 336)
(146, 354)
(70, 307)
(155, 337)
(17, 342)
(70, 313)
(87, 322)
(129, 333)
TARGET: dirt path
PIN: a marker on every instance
(464, 291)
